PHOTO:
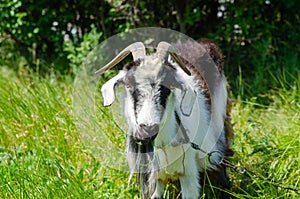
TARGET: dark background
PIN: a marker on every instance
(260, 39)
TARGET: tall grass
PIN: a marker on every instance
(43, 156)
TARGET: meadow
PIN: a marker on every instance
(42, 154)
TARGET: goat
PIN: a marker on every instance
(171, 104)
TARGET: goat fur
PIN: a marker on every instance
(198, 115)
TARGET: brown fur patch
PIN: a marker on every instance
(192, 52)
(199, 79)
(214, 52)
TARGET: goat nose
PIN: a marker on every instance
(149, 128)
(147, 132)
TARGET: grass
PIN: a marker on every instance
(42, 154)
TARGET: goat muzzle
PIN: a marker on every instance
(146, 133)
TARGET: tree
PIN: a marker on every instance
(259, 39)
(39, 28)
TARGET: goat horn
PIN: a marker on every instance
(137, 49)
(165, 49)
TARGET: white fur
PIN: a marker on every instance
(167, 127)
(180, 161)
(108, 89)
(148, 115)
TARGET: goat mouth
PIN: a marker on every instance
(147, 139)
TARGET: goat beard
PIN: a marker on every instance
(141, 159)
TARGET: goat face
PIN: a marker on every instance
(148, 82)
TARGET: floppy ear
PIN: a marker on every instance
(188, 95)
(108, 89)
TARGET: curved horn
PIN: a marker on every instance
(137, 49)
(165, 49)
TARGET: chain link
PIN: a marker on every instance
(241, 169)
(252, 174)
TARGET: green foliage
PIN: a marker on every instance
(77, 54)
(39, 28)
(260, 39)
(41, 154)
(267, 142)
(9, 56)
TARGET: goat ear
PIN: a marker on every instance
(108, 89)
(188, 95)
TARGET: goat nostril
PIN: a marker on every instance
(149, 128)
(143, 126)
(147, 132)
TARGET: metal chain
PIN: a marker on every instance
(252, 174)
(242, 170)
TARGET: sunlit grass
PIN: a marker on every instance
(42, 154)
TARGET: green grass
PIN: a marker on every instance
(42, 154)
